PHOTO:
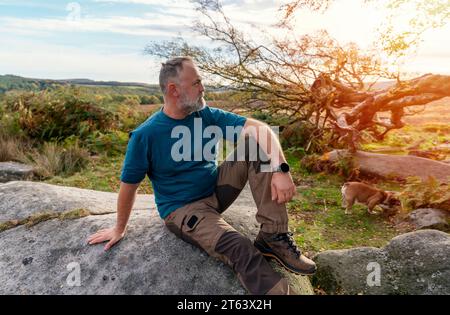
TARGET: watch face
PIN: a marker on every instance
(284, 167)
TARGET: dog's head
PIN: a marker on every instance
(391, 199)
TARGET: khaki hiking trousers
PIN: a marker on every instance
(200, 223)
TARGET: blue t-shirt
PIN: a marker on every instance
(179, 155)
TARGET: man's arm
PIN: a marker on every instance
(125, 201)
(283, 188)
(266, 139)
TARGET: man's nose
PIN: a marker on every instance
(202, 88)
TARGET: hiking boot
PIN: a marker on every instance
(281, 246)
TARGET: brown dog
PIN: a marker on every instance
(370, 196)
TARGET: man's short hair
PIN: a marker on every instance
(170, 69)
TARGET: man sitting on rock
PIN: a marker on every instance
(191, 192)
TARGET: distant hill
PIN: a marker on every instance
(10, 82)
(13, 82)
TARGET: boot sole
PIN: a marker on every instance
(268, 253)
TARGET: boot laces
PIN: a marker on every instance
(287, 237)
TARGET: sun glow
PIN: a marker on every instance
(354, 21)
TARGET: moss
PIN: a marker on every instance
(324, 280)
(8, 225)
(39, 217)
(74, 214)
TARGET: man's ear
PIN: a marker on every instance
(173, 89)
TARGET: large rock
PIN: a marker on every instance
(412, 263)
(394, 166)
(429, 218)
(20, 199)
(15, 171)
(47, 257)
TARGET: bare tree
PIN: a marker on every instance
(310, 79)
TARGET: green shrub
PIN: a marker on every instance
(303, 134)
(344, 166)
(129, 117)
(149, 99)
(425, 193)
(56, 115)
(270, 119)
(111, 143)
(9, 124)
(312, 163)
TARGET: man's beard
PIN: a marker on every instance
(188, 106)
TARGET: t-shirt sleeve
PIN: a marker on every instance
(136, 164)
(231, 124)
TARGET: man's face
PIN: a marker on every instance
(191, 89)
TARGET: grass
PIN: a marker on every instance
(102, 173)
(318, 221)
(54, 159)
(425, 136)
(10, 149)
(424, 132)
(48, 160)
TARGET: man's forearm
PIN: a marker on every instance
(267, 140)
(125, 201)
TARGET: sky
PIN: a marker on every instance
(105, 39)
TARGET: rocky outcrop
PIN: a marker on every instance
(429, 218)
(21, 199)
(52, 257)
(10, 171)
(412, 263)
(393, 166)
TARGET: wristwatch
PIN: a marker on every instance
(283, 168)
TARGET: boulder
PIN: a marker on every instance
(21, 199)
(52, 257)
(411, 263)
(393, 166)
(429, 218)
(15, 171)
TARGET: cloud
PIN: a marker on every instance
(113, 43)
(156, 26)
(61, 62)
(181, 3)
(258, 12)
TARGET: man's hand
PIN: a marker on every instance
(112, 235)
(283, 188)
(127, 194)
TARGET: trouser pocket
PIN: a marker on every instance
(189, 228)
(199, 225)
(184, 222)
